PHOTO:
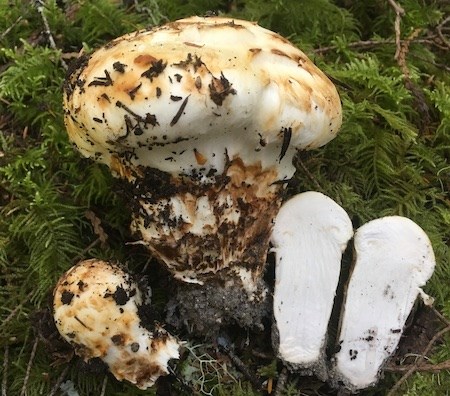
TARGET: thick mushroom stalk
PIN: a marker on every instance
(394, 259)
(96, 309)
(310, 234)
(202, 118)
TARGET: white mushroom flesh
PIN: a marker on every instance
(202, 116)
(310, 234)
(394, 258)
(96, 310)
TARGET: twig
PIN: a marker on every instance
(364, 44)
(5, 370)
(435, 64)
(11, 27)
(310, 175)
(414, 367)
(428, 367)
(85, 250)
(59, 381)
(23, 392)
(399, 12)
(440, 316)
(17, 308)
(40, 8)
(281, 382)
(240, 365)
(439, 29)
(105, 381)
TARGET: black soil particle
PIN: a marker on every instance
(117, 339)
(120, 296)
(66, 297)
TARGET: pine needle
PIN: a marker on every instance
(5, 371)
(23, 392)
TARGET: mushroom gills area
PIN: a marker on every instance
(394, 258)
(97, 310)
(217, 229)
(310, 234)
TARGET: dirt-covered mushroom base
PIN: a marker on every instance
(205, 309)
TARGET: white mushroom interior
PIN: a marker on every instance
(202, 117)
(394, 258)
(96, 309)
(310, 234)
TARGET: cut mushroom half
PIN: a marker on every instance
(97, 308)
(310, 234)
(394, 259)
(202, 117)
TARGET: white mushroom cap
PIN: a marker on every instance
(96, 310)
(394, 258)
(194, 93)
(310, 234)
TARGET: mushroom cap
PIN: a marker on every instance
(96, 309)
(191, 94)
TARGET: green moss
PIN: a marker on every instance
(391, 157)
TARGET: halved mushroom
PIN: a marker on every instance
(96, 308)
(394, 258)
(310, 234)
(202, 118)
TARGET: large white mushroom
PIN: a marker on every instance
(394, 259)
(96, 308)
(202, 118)
(310, 234)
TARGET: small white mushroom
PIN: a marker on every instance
(96, 309)
(202, 117)
(310, 234)
(394, 258)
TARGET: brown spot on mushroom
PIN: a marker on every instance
(255, 51)
(276, 51)
(198, 82)
(134, 347)
(104, 97)
(145, 60)
(118, 339)
(193, 45)
(200, 158)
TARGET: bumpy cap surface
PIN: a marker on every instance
(189, 95)
(96, 309)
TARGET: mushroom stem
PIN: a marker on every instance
(216, 229)
(394, 258)
(310, 234)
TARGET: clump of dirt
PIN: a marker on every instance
(205, 309)
(423, 327)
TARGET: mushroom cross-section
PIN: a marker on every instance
(394, 259)
(96, 308)
(310, 234)
(202, 118)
